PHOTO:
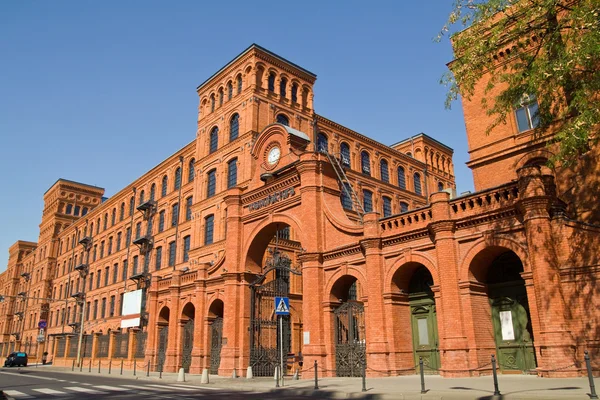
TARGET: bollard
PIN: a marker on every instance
(364, 376)
(121, 367)
(134, 367)
(205, 380)
(90, 370)
(160, 375)
(73, 367)
(588, 366)
(109, 366)
(422, 373)
(148, 369)
(99, 362)
(81, 365)
(276, 376)
(496, 391)
(316, 375)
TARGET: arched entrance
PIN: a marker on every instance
(350, 329)
(187, 337)
(416, 305)
(215, 315)
(272, 255)
(163, 338)
(500, 269)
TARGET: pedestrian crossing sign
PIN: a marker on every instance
(282, 306)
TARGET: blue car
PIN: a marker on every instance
(16, 359)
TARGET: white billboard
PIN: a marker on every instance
(132, 308)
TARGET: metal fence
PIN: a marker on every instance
(103, 341)
(73, 345)
(60, 346)
(121, 345)
(86, 346)
(140, 344)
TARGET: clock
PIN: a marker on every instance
(273, 155)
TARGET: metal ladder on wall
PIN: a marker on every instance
(346, 186)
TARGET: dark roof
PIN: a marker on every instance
(251, 47)
(424, 135)
(75, 182)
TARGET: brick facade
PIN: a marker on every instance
(422, 263)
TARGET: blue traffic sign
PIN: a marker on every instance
(282, 306)
(42, 324)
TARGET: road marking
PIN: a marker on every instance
(84, 390)
(17, 395)
(113, 388)
(185, 388)
(49, 391)
(30, 376)
(144, 387)
(195, 387)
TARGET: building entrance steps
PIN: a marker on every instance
(397, 388)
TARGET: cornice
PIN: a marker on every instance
(281, 65)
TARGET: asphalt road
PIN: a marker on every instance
(27, 383)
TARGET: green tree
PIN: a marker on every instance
(546, 48)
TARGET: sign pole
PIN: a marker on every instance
(281, 346)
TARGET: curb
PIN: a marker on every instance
(4, 396)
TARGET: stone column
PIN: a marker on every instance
(453, 341)
(377, 347)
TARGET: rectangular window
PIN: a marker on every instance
(367, 200)
(158, 262)
(106, 275)
(138, 230)
(188, 209)
(161, 221)
(211, 183)
(103, 309)
(112, 306)
(387, 207)
(95, 309)
(135, 265)
(93, 254)
(527, 114)
(128, 237)
(232, 173)
(110, 242)
(115, 273)
(175, 215)
(149, 226)
(171, 254)
(118, 241)
(209, 229)
(91, 281)
(87, 311)
(186, 248)
(125, 270)
(120, 303)
(101, 249)
(98, 278)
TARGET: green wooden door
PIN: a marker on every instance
(512, 331)
(425, 334)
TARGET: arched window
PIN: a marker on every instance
(403, 206)
(345, 154)
(69, 209)
(220, 97)
(271, 82)
(295, 93)
(163, 187)
(367, 200)
(387, 206)
(191, 172)
(153, 192)
(384, 171)
(232, 173)
(122, 212)
(214, 139)
(345, 197)
(239, 84)
(365, 162)
(209, 222)
(105, 226)
(211, 183)
(409, 154)
(417, 179)
(77, 210)
(234, 127)
(322, 143)
(131, 207)
(113, 217)
(212, 103)
(282, 119)
(142, 194)
(401, 178)
(282, 87)
(84, 211)
(229, 90)
(440, 186)
(177, 178)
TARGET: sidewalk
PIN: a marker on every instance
(396, 388)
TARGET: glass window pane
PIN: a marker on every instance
(522, 119)
(423, 331)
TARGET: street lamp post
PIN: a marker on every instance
(83, 269)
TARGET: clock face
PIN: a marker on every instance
(273, 155)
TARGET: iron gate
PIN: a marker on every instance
(140, 344)
(350, 354)
(265, 344)
(215, 345)
(163, 338)
(188, 345)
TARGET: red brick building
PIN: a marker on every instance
(381, 261)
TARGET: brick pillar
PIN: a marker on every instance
(95, 344)
(173, 345)
(453, 341)
(199, 349)
(555, 345)
(152, 309)
(377, 346)
(230, 351)
(111, 343)
(131, 344)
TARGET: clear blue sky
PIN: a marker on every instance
(101, 91)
